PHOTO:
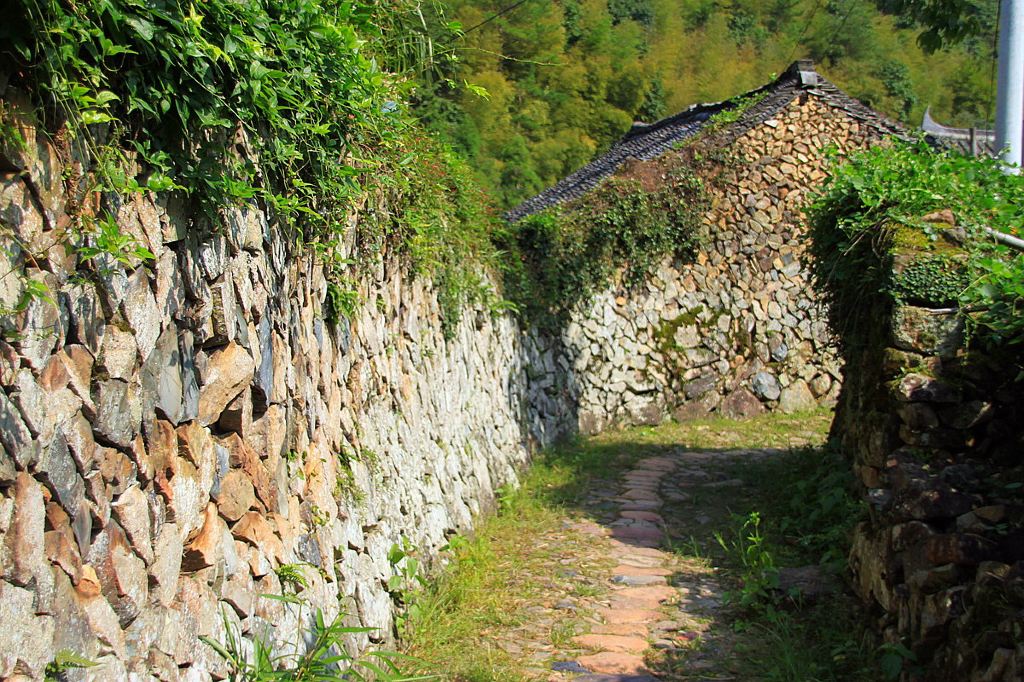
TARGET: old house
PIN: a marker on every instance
(736, 330)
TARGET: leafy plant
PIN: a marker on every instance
(318, 655)
(63, 661)
(870, 214)
(567, 253)
(406, 582)
(759, 576)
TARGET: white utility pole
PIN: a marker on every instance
(1010, 95)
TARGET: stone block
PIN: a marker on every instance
(228, 371)
(741, 404)
(926, 331)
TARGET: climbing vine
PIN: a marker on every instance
(567, 253)
(280, 103)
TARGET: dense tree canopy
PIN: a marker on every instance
(564, 79)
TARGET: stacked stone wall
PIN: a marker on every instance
(934, 433)
(174, 432)
(737, 331)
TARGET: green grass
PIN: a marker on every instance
(493, 589)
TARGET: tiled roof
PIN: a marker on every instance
(973, 142)
(646, 142)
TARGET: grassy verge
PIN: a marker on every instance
(500, 589)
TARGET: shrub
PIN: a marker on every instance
(870, 241)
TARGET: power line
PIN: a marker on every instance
(807, 25)
(492, 18)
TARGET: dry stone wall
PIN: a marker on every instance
(175, 432)
(737, 331)
(934, 433)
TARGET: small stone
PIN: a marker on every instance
(797, 397)
(235, 496)
(619, 643)
(616, 663)
(741, 404)
(639, 580)
(205, 549)
(765, 386)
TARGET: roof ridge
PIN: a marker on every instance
(650, 141)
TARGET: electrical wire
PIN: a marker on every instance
(493, 17)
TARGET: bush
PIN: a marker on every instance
(562, 256)
(870, 241)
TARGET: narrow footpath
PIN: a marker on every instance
(657, 620)
(638, 556)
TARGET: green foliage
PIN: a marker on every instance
(566, 79)
(932, 280)
(567, 253)
(341, 302)
(869, 217)
(944, 22)
(281, 103)
(63, 661)
(320, 654)
(407, 582)
(759, 576)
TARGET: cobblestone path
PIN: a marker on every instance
(651, 614)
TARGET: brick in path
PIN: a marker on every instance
(651, 517)
(630, 644)
(626, 569)
(638, 580)
(614, 662)
(614, 616)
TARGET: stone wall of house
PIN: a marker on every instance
(737, 331)
(174, 432)
(934, 433)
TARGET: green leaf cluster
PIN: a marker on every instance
(871, 244)
(566, 79)
(281, 103)
(566, 254)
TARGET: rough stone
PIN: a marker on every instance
(226, 374)
(765, 386)
(796, 397)
(741, 404)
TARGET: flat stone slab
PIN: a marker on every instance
(622, 629)
(651, 534)
(613, 616)
(626, 569)
(616, 678)
(614, 643)
(641, 494)
(639, 580)
(641, 505)
(648, 516)
(614, 662)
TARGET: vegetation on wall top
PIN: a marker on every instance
(874, 210)
(563, 255)
(280, 102)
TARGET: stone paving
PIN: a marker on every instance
(654, 622)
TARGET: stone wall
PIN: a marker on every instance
(934, 432)
(176, 431)
(737, 331)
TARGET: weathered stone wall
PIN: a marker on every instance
(737, 331)
(935, 436)
(174, 432)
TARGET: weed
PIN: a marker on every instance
(63, 661)
(319, 654)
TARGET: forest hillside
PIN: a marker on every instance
(531, 90)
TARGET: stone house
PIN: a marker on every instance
(737, 331)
